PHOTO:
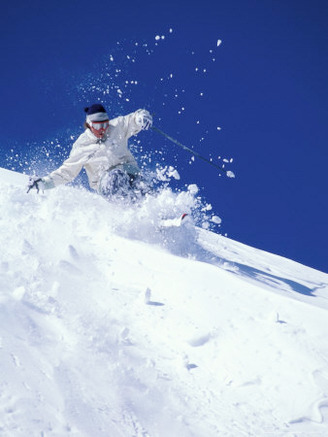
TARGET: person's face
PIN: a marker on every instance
(99, 128)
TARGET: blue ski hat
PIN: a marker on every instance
(96, 112)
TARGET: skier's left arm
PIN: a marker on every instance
(135, 122)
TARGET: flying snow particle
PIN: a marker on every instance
(157, 37)
(207, 207)
(218, 128)
(219, 42)
(217, 220)
(193, 189)
(231, 174)
(173, 173)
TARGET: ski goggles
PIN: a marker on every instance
(100, 125)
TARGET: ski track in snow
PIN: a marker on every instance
(111, 326)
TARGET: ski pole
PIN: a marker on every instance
(218, 167)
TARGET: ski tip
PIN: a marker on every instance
(186, 219)
(175, 222)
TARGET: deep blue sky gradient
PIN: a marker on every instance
(266, 89)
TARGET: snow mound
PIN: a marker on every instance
(104, 331)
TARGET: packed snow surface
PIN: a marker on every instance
(112, 326)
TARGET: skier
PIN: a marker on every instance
(103, 151)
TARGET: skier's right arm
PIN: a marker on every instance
(64, 174)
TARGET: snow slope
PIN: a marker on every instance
(113, 327)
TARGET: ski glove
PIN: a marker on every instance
(144, 119)
(34, 182)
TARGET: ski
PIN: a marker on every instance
(176, 222)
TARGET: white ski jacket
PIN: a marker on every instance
(98, 156)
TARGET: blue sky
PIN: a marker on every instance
(264, 87)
